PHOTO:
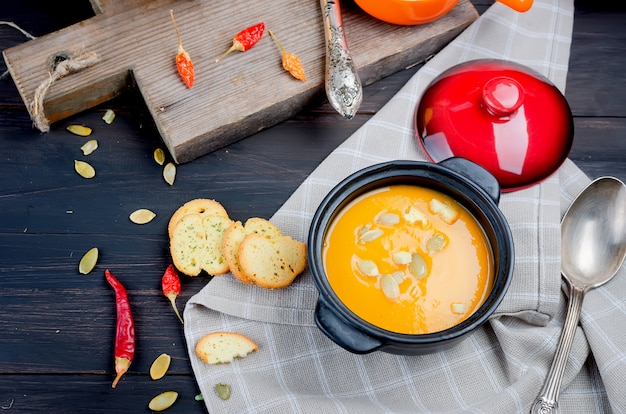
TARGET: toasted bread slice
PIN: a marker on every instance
(224, 347)
(271, 262)
(202, 206)
(196, 244)
(235, 235)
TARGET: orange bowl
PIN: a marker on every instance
(406, 12)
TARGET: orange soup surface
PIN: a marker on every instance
(408, 259)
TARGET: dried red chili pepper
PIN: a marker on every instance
(183, 60)
(170, 283)
(125, 328)
(291, 62)
(245, 39)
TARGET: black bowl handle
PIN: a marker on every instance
(341, 333)
(477, 174)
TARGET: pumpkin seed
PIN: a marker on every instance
(160, 366)
(370, 235)
(390, 286)
(399, 276)
(79, 130)
(364, 229)
(418, 267)
(163, 401)
(199, 397)
(89, 147)
(169, 173)
(223, 391)
(159, 156)
(436, 243)
(402, 258)
(388, 219)
(367, 267)
(108, 116)
(142, 216)
(88, 261)
(84, 169)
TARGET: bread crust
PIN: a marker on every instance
(224, 347)
(230, 246)
(202, 206)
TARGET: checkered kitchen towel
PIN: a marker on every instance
(498, 369)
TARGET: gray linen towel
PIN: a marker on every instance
(498, 369)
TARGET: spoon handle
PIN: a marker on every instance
(343, 85)
(547, 401)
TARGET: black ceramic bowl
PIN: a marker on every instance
(470, 185)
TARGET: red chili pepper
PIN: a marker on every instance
(170, 284)
(245, 39)
(183, 60)
(125, 329)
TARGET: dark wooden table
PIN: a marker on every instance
(57, 326)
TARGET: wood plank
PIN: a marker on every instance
(93, 394)
(600, 146)
(596, 80)
(136, 46)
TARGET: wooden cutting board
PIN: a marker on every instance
(246, 92)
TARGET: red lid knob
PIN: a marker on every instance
(502, 95)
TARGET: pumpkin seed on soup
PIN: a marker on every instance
(418, 267)
(399, 276)
(390, 286)
(388, 219)
(370, 235)
(84, 169)
(402, 257)
(436, 243)
(367, 267)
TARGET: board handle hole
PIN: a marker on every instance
(56, 59)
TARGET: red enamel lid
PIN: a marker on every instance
(501, 115)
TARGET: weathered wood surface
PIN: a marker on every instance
(57, 326)
(232, 99)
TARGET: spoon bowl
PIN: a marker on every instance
(593, 234)
(593, 247)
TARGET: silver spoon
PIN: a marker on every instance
(343, 85)
(593, 246)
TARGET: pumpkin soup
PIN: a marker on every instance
(408, 259)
